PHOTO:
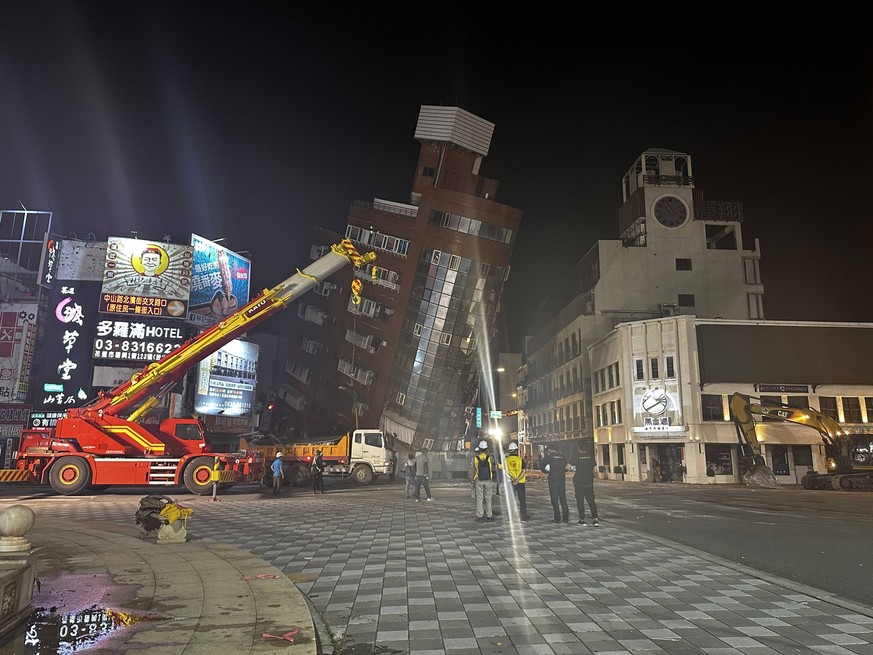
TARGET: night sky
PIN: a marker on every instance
(253, 123)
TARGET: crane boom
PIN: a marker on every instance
(159, 377)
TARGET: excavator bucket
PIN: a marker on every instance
(759, 474)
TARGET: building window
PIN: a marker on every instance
(683, 264)
(618, 410)
(417, 329)
(454, 263)
(596, 382)
(800, 402)
(851, 409)
(639, 372)
(686, 300)
(604, 455)
(401, 398)
(435, 257)
(427, 171)
(653, 368)
(613, 413)
(711, 408)
(611, 377)
(427, 443)
(617, 378)
(771, 401)
(669, 368)
(868, 404)
(447, 338)
(828, 405)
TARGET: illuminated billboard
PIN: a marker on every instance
(219, 284)
(146, 278)
(226, 380)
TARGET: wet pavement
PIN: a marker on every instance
(374, 572)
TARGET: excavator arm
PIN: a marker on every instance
(743, 411)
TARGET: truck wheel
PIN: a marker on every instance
(362, 475)
(198, 475)
(297, 475)
(69, 475)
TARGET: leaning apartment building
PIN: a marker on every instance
(409, 357)
(663, 326)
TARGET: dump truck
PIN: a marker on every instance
(362, 455)
(105, 443)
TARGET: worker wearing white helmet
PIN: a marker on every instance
(483, 474)
(514, 466)
(278, 474)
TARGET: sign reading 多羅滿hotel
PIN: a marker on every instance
(146, 278)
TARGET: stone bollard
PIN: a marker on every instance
(17, 566)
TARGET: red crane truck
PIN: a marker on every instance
(104, 444)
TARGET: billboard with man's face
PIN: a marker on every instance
(146, 278)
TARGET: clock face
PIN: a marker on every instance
(670, 211)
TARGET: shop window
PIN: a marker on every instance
(604, 456)
(718, 459)
(779, 457)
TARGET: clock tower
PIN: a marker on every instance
(658, 196)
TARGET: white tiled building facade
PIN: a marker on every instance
(661, 391)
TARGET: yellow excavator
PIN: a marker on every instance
(849, 458)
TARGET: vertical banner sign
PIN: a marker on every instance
(65, 377)
(226, 380)
(219, 284)
(51, 251)
(17, 333)
(146, 278)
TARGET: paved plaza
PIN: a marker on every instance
(365, 570)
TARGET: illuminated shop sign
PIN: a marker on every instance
(146, 278)
(219, 283)
(226, 380)
(136, 340)
(65, 377)
(783, 388)
(13, 418)
(50, 256)
(17, 344)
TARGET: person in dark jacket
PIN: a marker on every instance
(317, 473)
(583, 484)
(555, 464)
